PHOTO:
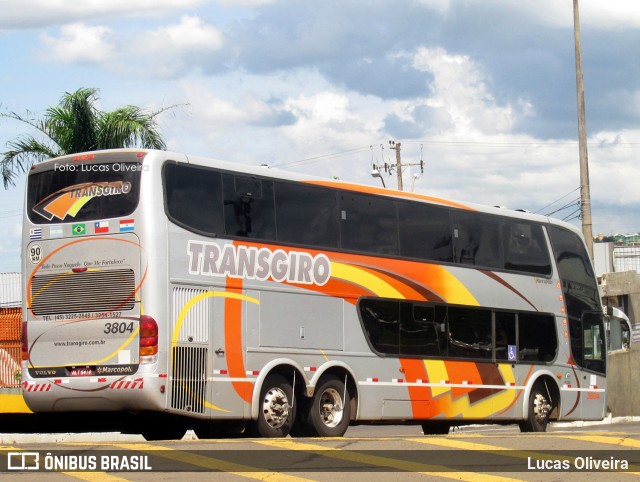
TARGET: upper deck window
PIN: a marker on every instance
(222, 203)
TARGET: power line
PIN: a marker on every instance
(322, 157)
(575, 202)
(557, 200)
(571, 144)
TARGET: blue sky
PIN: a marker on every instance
(482, 90)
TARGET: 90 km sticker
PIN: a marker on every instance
(35, 253)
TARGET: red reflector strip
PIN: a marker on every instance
(310, 369)
(36, 387)
(254, 373)
(445, 382)
(397, 380)
(372, 379)
(220, 372)
(124, 385)
(593, 387)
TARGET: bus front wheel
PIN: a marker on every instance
(538, 411)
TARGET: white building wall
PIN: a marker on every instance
(10, 290)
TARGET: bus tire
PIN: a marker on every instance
(276, 411)
(329, 412)
(538, 411)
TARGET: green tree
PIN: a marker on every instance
(76, 125)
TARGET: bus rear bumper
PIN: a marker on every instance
(115, 393)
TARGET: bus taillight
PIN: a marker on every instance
(25, 342)
(148, 336)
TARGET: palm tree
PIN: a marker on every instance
(76, 125)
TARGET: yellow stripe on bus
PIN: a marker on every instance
(363, 278)
(185, 310)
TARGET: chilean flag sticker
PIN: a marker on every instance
(126, 225)
(101, 227)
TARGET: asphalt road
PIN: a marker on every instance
(370, 453)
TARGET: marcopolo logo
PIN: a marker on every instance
(250, 262)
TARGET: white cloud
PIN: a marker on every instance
(244, 3)
(210, 110)
(79, 43)
(178, 47)
(601, 14)
(458, 87)
(329, 117)
(192, 33)
(18, 15)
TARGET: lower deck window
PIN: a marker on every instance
(405, 328)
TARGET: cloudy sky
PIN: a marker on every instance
(483, 91)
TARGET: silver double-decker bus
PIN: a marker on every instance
(197, 293)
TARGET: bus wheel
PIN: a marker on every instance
(276, 413)
(330, 409)
(539, 410)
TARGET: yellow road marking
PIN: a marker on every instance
(379, 461)
(211, 463)
(621, 440)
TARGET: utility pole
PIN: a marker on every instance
(398, 166)
(396, 146)
(585, 196)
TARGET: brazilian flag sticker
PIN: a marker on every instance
(78, 229)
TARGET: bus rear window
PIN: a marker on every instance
(83, 192)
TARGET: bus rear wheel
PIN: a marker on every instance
(328, 414)
(538, 412)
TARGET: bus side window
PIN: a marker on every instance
(249, 207)
(476, 240)
(469, 332)
(505, 336)
(526, 249)
(425, 232)
(419, 333)
(307, 215)
(381, 319)
(537, 340)
(193, 197)
(368, 224)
